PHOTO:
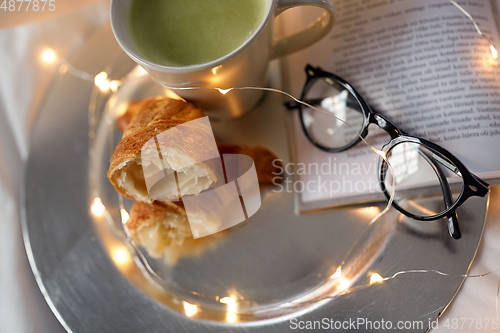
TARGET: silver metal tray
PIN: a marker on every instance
(92, 280)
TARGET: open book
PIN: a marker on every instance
(420, 63)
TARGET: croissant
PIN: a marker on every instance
(158, 225)
(161, 225)
(266, 163)
(152, 126)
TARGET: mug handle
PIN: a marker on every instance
(309, 35)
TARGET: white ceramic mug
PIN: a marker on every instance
(246, 66)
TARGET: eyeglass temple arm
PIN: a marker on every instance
(453, 226)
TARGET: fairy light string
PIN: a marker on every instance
(105, 85)
(376, 278)
(493, 50)
(338, 276)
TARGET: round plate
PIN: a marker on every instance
(86, 269)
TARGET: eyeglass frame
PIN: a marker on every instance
(473, 185)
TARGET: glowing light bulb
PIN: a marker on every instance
(121, 256)
(101, 77)
(231, 317)
(97, 207)
(49, 56)
(376, 278)
(190, 309)
(231, 308)
(224, 91)
(113, 85)
(337, 274)
(494, 52)
(343, 285)
(125, 216)
(101, 80)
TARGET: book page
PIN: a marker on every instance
(420, 63)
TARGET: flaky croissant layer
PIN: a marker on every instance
(155, 143)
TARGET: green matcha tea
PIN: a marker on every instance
(181, 33)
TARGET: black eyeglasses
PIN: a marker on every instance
(418, 168)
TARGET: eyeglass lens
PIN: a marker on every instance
(418, 174)
(335, 106)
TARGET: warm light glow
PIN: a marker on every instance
(216, 69)
(494, 52)
(368, 212)
(141, 71)
(63, 69)
(104, 86)
(121, 256)
(376, 278)
(171, 94)
(97, 207)
(337, 274)
(190, 309)
(101, 80)
(371, 211)
(121, 109)
(224, 91)
(231, 317)
(125, 216)
(101, 77)
(344, 284)
(113, 85)
(381, 153)
(231, 308)
(49, 56)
